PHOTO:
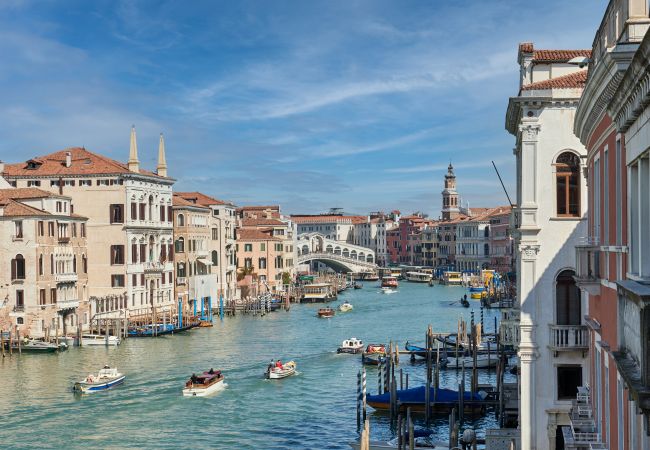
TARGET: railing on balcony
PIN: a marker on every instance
(67, 304)
(153, 266)
(569, 337)
(588, 265)
(64, 239)
(201, 254)
(66, 277)
(181, 281)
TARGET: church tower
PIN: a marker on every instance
(450, 207)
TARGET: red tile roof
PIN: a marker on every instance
(572, 80)
(558, 56)
(319, 218)
(261, 222)
(201, 199)
(12, 208)
(255, 234)
(255, 208)
(25, 193)
(177, 200)
(83, 162)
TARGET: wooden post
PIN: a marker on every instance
(410, 425)
(461, 396)
(106, 332)
(401, 379)
(400, 437)
(363, 393)
(79, 343)
(20, 344)
(56, 331)
(2, 341)
(427, 391)
(358, 400)
(437, 380)
(11, 343)
(379, 364)
(396, 354)
(406, 386)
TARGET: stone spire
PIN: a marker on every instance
(161, 168)
(133, 163)
(450, 205)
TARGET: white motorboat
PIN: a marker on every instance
(387, 290)
(38, 346)
(204, 384)
(352, 345)
(107, 378)
(482, 361)
(345, 307)
(98, 340)
(283, 371)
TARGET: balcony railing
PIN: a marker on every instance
(64, 239)
(181, 281)
(588, 266)
(153, 266)
(569, 338)
(67, 304)
(66, 277)
(201, 254)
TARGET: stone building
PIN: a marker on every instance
(550, 217)
(221, 245)
(129, 228)
(43, 264)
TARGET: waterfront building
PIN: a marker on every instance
(333, 226)
(613, 259)
(195, 276)
(403, 240)
(259, 212)
(501, 242)
(472, 243)
(43, 264)
(266, 250)
(221, 245)
(372, 234)
(550, 217)
(129, 228)
(428, 246)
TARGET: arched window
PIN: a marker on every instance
(215, 258)
(180, 270)
(18, 268)
(84, 263)
(74, 264)
(262, 263)
(567, 184)
(180, 220)
(567, 299)
(180, 245)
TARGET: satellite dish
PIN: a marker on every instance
(579, 61)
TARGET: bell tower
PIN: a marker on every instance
(450, 208)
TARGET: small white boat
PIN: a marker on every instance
(205, 384)
(482, 361)
(98, 340)
(345, 307)
(107, 378)
(387, 290)
(276, 373)
(352, 345)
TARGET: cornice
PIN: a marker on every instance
(633, 93)
(515, 104)
(602, 83)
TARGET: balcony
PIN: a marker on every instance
(180, 281)
(66, 277)
(63, 239)
(67, 304)
(569, 338)
(201, 254)
(588, 266)
(509, 327)
(153, 267)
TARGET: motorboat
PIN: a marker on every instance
(476, 292)
(419, 277)
(389, 282)
(99, 340)
(345, 307)
(483, 361)
(108, 377)
(38, 346)
(352, 345)
(204, 384)
(387, 290)
(277, 372)
(318, 293)
(374, 354)
(326, 312)
(358, 285)
(421, 352)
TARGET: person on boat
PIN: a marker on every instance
(194, 379)
(465, 297)
(278, 364)
(211, 371)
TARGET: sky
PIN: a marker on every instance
(307, 104)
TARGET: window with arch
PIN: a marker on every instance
(180, 270)
(180, 245)
(215, 258)
(180, 220)
(18, 267)
(567, 299)
(567, 185)
(262, 263)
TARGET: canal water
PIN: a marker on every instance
(314, 409)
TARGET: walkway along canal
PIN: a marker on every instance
(313, 409)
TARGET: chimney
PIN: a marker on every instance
(2, 167)
(68, 159)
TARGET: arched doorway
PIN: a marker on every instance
(567, 299)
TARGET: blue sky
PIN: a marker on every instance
(309, 104)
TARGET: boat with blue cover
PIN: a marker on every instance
(107, 378)
(421, 352)
(442, 401)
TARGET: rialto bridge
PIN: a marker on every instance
(340, 256)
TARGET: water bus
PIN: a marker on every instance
(419, 277)
(318, 293)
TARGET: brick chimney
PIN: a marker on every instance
(68, 159)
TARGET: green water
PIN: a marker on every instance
(314, 409)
